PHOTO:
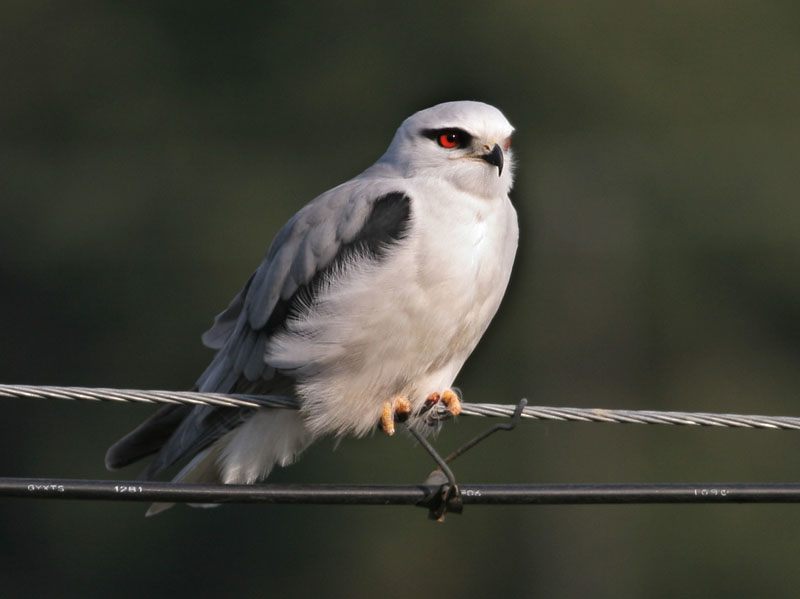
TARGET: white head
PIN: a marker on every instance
(467, 143)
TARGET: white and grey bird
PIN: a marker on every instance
(365, 308)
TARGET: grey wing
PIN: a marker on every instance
(319, 238)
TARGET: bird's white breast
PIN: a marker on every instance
(404, 325)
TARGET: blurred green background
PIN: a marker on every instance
(151, 150)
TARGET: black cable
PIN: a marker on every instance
(474, 494)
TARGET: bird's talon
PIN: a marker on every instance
(402, 409)
(387, 419)
(430, 401)
(397, 410)
(450, 399)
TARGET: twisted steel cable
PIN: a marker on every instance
(468, 409)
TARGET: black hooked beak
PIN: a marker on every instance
(495, 157)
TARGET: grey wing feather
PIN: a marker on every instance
(307, 245)
(203, 426)
(225, 321)
(157, 430)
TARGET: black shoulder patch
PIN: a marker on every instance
(386, 225)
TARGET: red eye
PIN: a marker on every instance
(449, 139)
(507, 143)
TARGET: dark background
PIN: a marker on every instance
(149, 151)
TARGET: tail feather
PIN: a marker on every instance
(248, 453)
(201, 469)
(267, 438)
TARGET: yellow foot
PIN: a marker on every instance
(398, 410)
(450, 399)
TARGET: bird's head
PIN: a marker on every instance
(466, 143)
